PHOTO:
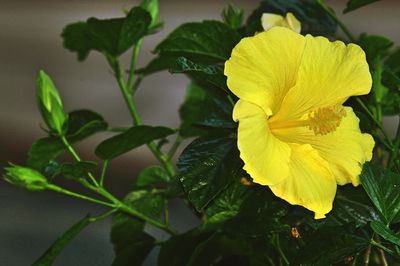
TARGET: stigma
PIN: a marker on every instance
(321, 121)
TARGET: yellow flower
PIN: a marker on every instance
(269, 20)
(294, 134)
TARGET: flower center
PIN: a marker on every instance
(322, 120)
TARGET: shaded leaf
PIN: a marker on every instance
(233, 16)
(150, 203)
(383, 188)
(385, 232)
(130, 139)
(207, 41)
(51, 254)
(207, 166)
(75, 170)
(356, 4)
(204, 108)
(81, 124)
(374, 46)
(162, 62)
(151, 177)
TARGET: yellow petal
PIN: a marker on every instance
(266, 157)
(329, 73)
(264, 67)
(310, 182)
(346, 149)
(293, 22)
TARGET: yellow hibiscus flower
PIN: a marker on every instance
(294, 134)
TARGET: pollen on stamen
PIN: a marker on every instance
(325, 120)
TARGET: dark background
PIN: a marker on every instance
(30, 40)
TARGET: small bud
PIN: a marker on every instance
(269, 20)
(295, 232)
(233, 16)
(26, 178)
(50, 104)
(151, 6)
(245, 181)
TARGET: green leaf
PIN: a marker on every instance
(159, 63)
(375, 46)
(356, 4)
(81, 124)
(75, 170)
(152, 7)
(50, 104)
(152, 176)
(130, 139)
(385, 232)
(109, 36)
(383, 188)
(178, 249)
(131, 244)
(51, 254)
(351, 206)
(207, 166)
(204, 108)
(203, 74)
(233, 16)
(207, 41)
(150, 203)
(313, 18)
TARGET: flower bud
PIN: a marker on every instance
(233, 16)
(26, 178)
(50, 104)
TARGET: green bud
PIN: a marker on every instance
(233, 16)
(26, 178)
(151, 6)
(50, 104)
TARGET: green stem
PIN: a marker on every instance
(280, 251)
(378, 245)
(175, 147)
(77, 158)
(80, 196)
(102, 216)
(135, 55)
(336, 19)
(162, 158)
(103, 171)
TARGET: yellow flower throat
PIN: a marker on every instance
(322, 120)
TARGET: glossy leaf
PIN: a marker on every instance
(385, 232)
(356, 4)
(152, 176)
(109, 36)
(313, 18)
(204, 108)
(129, 140)
(207, 166)
(51, 254)
(207, 41)
(383, 188)
(81, 124)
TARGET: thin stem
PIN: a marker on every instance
(103, 171)
(77, 158)
(103, 216)
(379, 245)
(80, 196)
(336, 19)
(367, 256)
(280, 251)
(135, 55)
(175, 147)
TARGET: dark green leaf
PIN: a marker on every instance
(159, 63)
(131, 244)
(374, 46)
(50, 255)
(383, 188)
(178, 249)
(202, 73)
(233, 16)
(204, 108)
(313, 18)
(81, 124)
(351, 206)
(75, 170)
(356, 4)
(207, 41)
(151, 177)
(330, 245)
(385, 232)
(150, 203)
(207, 166)
(109, 36)
(134, 137)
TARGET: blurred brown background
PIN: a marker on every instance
(29, 41)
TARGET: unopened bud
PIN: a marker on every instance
(26, 178)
